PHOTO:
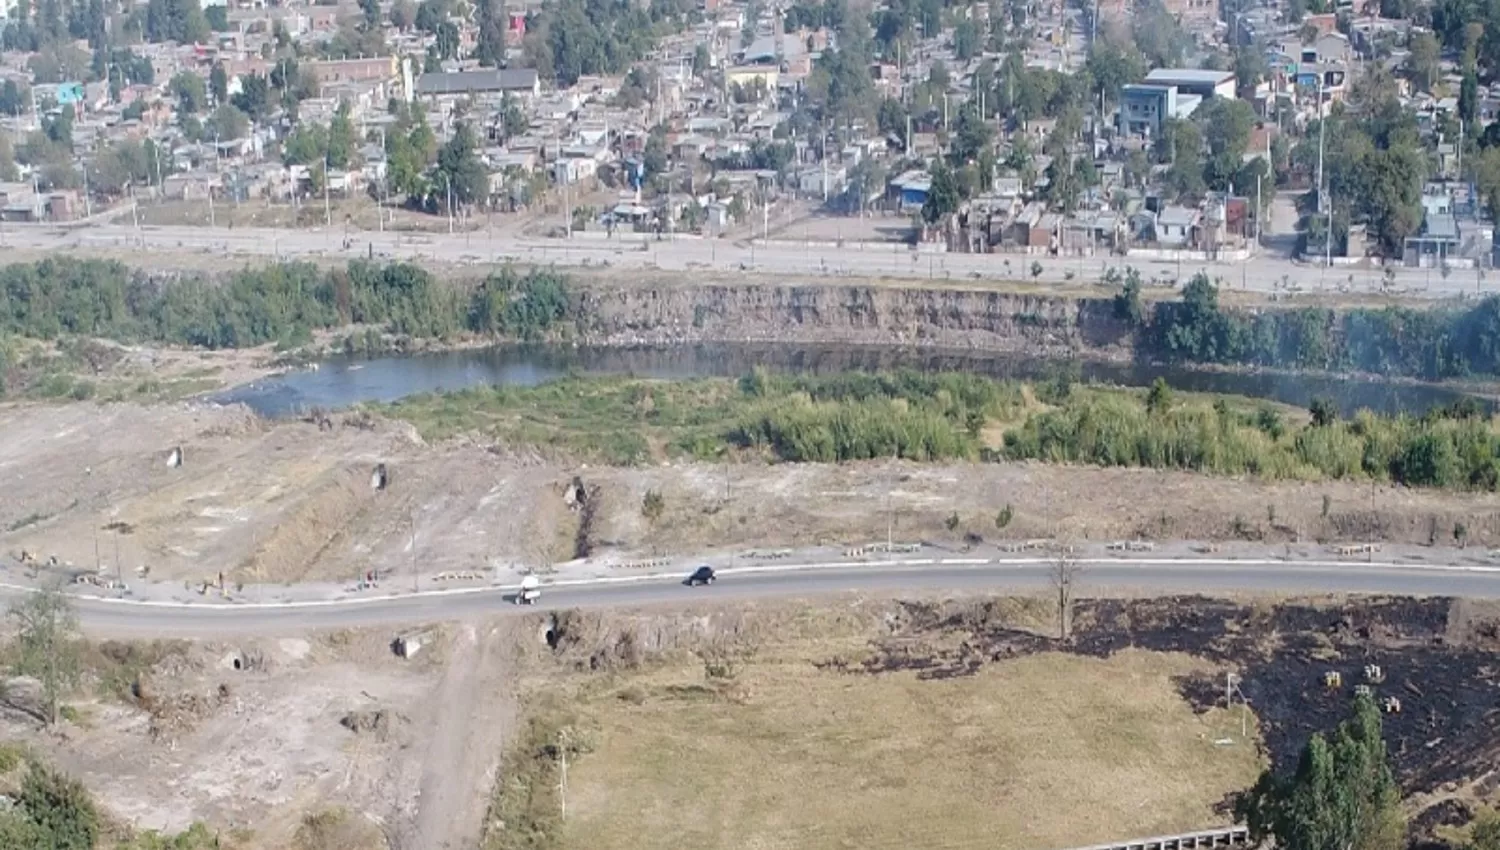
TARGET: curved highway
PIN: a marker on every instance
(206, 619)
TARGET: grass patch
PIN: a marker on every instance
(629, 421)
(925, 417)
(1050, 750)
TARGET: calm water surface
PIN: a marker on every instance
(344, 381)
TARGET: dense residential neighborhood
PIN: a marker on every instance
(1030, 128)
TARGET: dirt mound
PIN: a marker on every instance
(319, 517)
(376, 722)
(175, 715)
(589, 640)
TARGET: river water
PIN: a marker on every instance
(344, 381)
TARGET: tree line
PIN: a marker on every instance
(279, 303)
(1431, 344)
(1450, 448)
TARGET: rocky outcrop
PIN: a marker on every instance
(940, 317)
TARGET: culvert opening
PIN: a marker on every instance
(238, 663)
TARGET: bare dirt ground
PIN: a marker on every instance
(281, 502)
(359, 213)
(255, 738)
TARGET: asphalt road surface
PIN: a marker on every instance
(1144, 576)
(1264, 273)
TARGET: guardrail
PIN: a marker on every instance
(1229, 836)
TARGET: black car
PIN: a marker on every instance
(702, 575)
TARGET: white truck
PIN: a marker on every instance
(530, 592)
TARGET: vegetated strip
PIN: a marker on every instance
(283, 303)
(950, 416)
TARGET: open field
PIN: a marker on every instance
(292, 501)
(1041, 752)
(964, 722)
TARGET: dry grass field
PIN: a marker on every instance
(1046, 751)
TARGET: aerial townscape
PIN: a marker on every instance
(723, 424)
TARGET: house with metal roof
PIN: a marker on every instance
(1205, 84)
(516, 81)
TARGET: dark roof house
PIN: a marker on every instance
(486, 81)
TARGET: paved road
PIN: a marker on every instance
(690, 254)
(207, 619)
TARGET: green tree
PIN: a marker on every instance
(343, 139)
(46, 645)
(227, 124)
(12, 100)
(513, 120)
(1250, 68)
(191, 93)
(218, 83)
(371, 10)
(254, 97)
(966, 40)
(459, 169)
(181, 21)
(1324, 412)
(403, 15)
(1342, 795)
(942, 195)
(61, 809)
(1468, 98)
(8, 171)
(1111, 66)
(1159, 397)
(653, 506)
(308, 143)
(1424, 58)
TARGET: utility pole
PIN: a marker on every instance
(1322, 131)
(562, 786)
(327, 208)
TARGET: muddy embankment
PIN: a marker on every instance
(951, 317)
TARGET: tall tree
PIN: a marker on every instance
(371, 10)
(47, 644)
(942, 195)
(254, 97)
(1341, 797)
(192, 94)
(218, 83)
(1423, 61)
(459, 169)
(7, 159)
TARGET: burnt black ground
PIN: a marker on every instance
(1446, 678)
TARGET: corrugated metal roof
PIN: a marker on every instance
(487, 80)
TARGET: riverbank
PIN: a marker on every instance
(303, 314)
